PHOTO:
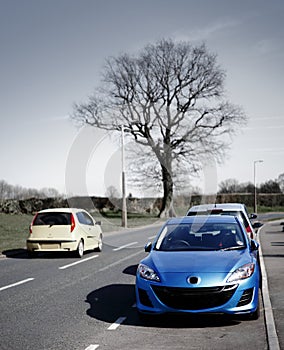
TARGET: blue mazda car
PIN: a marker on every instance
(200, 264)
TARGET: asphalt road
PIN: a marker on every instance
(60, 302)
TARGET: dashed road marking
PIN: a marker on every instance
(124, 246)
(77, 262)
(92, 347)
(16, 284)
(117, 323)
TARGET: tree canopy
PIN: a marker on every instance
(170, 98)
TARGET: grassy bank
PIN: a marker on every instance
(14, 229)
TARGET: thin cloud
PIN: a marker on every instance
(209, 31)
(269, 46)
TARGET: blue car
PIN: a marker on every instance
(200, 264)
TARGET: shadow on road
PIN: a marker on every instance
(109, 303)
(22, 253)
(19, 253)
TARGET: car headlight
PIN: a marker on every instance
(242, 272)
(148, 273)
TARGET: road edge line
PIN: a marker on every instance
(272, 338)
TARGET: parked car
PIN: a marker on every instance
(64, 229)
(202, 264)
(236, 209)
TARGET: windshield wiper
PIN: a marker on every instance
(234, 248)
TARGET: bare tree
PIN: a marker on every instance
(281, 182)
(112, 192)
(229, 186)
(170, 97)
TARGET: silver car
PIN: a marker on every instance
(235, 209)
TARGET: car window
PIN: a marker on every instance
(52, 219)
(85, 219)
(239, 214)
(203, 236)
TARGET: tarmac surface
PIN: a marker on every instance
(271, 238)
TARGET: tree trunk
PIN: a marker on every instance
(167, 209)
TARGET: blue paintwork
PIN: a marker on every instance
(212, 268)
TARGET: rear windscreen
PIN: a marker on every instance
(52, 219)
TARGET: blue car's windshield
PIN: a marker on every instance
(205, 236)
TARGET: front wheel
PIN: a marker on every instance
(255, 315)
(80, 249)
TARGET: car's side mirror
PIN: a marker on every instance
(148, 247)
(253, 216)
(98, 222)
(254, 245)
(257, 224)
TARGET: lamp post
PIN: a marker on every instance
(124, 207)
(254, 180)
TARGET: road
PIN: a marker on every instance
(60, 302)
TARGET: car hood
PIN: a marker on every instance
(198, 261)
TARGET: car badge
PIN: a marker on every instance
(193, 280)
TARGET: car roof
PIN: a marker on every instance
(223, 206)
(216, 219)
(61, 210)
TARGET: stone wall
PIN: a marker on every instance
(134, 205)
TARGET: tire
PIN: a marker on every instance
(144, 318)
(100, 244)
(255, 315)
(31, 254)
(80, 249)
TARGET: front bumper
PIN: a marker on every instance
(233, 298)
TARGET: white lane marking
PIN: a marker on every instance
(92, 347)
(124, 246)
(77, 262)
(16, 284)
(119, 261)
(151, 237)
(273, 342)
(117, 323)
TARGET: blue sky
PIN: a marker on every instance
(52, 53)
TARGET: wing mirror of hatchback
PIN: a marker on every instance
(257, 224)
(148, 247)
(98, 222)
(254, 245)
(253, 216)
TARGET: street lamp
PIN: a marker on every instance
(124, 207)
(254, 180)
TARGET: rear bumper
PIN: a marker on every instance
(51, 245)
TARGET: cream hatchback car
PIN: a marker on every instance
(64, 229)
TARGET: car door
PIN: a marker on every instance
(89, 228)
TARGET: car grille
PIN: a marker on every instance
(194, 298)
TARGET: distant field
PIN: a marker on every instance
(14, 229)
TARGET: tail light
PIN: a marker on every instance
(249, 231)
(31, 225)
(72, 223)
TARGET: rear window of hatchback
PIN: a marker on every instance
(52, 219)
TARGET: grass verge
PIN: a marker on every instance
(14, 229)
